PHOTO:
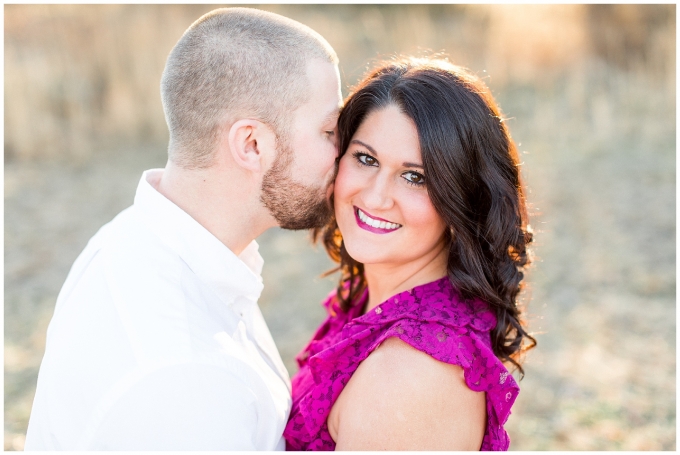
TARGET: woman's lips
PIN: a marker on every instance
(373, 224)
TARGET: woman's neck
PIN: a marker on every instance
(386, 280)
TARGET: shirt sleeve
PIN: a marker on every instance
(182, 407)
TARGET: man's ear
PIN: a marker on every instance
(251, 143)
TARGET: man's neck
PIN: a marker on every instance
(223, 201)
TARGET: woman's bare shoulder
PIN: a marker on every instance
(400, 398)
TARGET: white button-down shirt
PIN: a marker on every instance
(157, 342)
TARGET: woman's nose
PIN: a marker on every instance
(377, 194)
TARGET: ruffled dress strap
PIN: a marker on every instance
(433, 319)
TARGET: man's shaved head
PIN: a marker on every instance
(234, 63)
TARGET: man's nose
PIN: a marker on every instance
(336, 144)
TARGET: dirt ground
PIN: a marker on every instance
(602, 288)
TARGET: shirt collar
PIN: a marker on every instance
(212, 261)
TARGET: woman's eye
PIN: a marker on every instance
(414, 178)
(366, 160)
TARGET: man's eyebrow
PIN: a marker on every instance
(372, 150)
(332, 115)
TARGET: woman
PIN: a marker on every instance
(431, 235)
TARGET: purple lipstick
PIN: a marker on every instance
(374, 224)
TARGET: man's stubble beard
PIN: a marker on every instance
(293, 205)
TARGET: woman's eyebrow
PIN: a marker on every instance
(372, 150)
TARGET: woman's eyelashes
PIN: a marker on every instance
(411, 177)
(365, 159)
(414, 178)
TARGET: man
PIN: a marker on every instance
(157, 342)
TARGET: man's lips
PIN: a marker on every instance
(374, 224)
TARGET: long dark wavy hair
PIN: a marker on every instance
(473, 180)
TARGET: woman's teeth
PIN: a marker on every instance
(375, 223)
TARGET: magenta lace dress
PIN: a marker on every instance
(433, 319)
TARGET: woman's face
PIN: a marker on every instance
(381, 203)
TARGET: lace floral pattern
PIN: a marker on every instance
(433, 319)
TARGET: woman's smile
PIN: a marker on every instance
(374, 224)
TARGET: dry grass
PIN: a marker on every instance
(590, 91)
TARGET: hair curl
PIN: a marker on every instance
(473, 181)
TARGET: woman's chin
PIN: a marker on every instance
(366, 255)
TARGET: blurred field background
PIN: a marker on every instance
(590, 93)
